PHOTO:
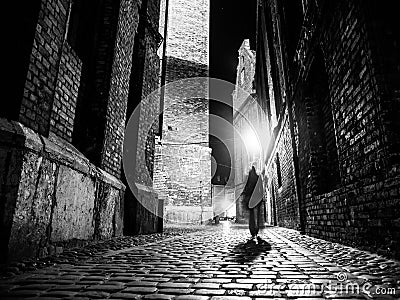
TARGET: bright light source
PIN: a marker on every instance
(252, 141)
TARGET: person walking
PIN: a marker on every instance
(253, 195)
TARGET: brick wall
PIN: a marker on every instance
(186, 120)
(66, 94)
(182, 175)
(178, 68)
(142, 209)
(362, 207)
(53, 76)
(188, 29)
(150, 105)
(104, 40)
(183, 161)
(88, 65)
(182, 180)
(42, 73)
(280, 174)
(111, 155)
(385, 49)
(354, 95)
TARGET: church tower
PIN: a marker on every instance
(182, 175)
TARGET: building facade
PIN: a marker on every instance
(183, 157)
(249, 123)
(62, 135)
(328, 73)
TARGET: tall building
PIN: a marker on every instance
(183, 158)
(249, 122)
(78, 67)
(328, 73)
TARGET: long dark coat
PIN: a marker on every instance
(253, 190)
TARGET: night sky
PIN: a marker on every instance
(231, 22)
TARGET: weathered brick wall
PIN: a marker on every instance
(183, 159)
(178, 68)
(143, 209)
(186, 120)
(362, 207)
(385, 51)
(149, 117)
(363, 210)
(65, 200)
(354, 95)
(105, 81)
(120, 84)
(66, 94)
(182, 179)
(46, 53)
(53, 191)
(183, 167)
(107, 59)
(282, 179)
(188, 29)
(111, 156)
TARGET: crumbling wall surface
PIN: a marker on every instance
(52, 196)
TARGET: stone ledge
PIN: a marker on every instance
(14, 134)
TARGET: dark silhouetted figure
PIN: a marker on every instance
(253, 195)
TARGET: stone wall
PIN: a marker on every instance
(52, 196)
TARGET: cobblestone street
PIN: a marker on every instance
(217, 263)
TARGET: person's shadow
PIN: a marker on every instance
(247, 252)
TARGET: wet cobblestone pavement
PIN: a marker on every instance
(217, 263)
(94, 249)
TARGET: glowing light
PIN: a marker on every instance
(252, 141)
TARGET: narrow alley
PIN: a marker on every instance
(215, 263)
(201, 149)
